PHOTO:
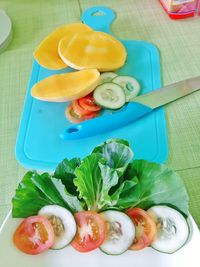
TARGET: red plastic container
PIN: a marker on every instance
(181, 9)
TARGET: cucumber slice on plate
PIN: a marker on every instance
(63, 223)
(109, 95)
(173, 229)
(129, 84)
(120, 232)
(107, 77)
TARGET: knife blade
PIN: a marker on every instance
(137, 108)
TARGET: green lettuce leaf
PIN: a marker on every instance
(157, 184)
(117, 154)
(65, 171)
(28, 199)
(45, 185)
(36, 191)
(55, 191)
(110, 178)
(89, 181)
(107, 178)
(72, 201)
(94, 179)
(126, 194)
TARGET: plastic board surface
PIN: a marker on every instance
(39, 144)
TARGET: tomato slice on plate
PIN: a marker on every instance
(145, 228)
(91, 231)
(87, 103)
(34, 235)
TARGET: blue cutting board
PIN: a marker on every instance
(39, 145)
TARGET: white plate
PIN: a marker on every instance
(5, 30)
(189, 255)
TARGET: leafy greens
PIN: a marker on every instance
(107, 178)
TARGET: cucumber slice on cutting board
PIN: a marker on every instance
(173, 229)
(129, 84)
(120, 232)
(63, 223)
(109, 95)
(107, 77)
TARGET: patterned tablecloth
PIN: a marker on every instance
(179, 45)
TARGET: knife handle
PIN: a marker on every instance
(106, 123)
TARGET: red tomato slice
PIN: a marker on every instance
(78, 109)
(75, 118)
(91, 231)
(71, 115)
(34, 235)
(90, 116)
(87, 103)
(145, 228)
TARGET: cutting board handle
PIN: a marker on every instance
(99, 18)
(106, 123)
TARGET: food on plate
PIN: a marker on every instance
(120, 232)
(67, 86)
(107, 77)
(129, 84)
(93, 49)
(46, 54)
(117, 203)
(173, 229)
(63, 223)
(34, 235)
(145, 228)
(109, 95)
(91, 231)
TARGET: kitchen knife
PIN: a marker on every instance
(138, 107)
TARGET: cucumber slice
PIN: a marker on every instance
(129, 84)
(109, 95)
(120, 232)
(63, 223)
(173, 229)
(107, 77)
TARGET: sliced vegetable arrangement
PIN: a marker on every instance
(112, 93)
(80, 47)
(82, 109)
(107, 200)
(120, 232)
(34, 235)
(173, 230)
(63, 224)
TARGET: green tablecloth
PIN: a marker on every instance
(178, 42)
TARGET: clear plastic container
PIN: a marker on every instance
(180, 9)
